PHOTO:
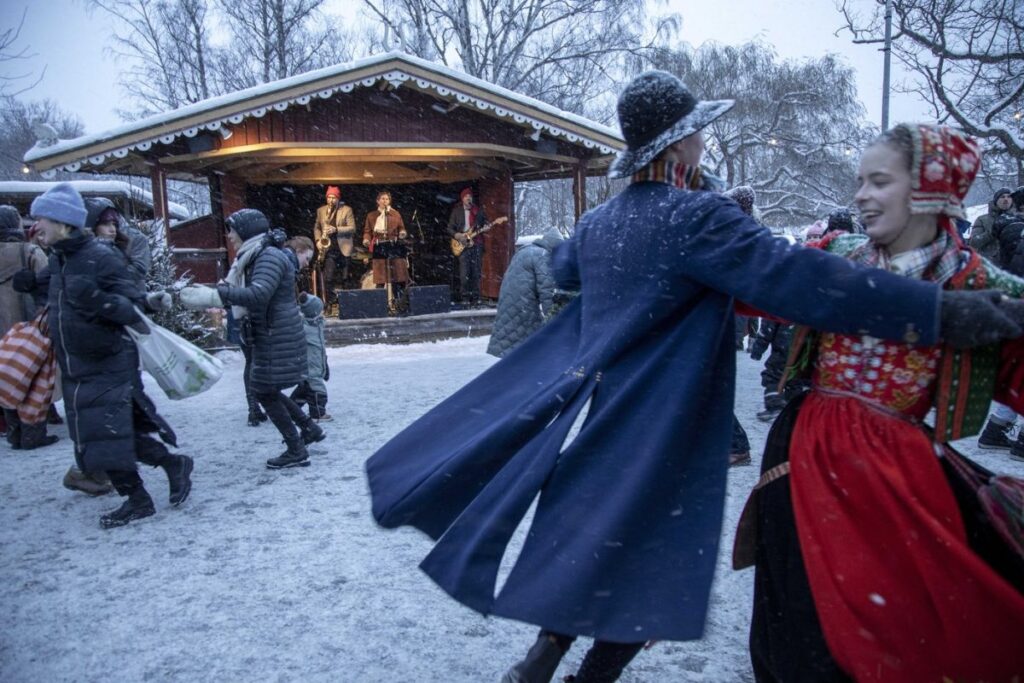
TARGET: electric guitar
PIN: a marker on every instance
(458, 246)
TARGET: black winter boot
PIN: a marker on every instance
(256, 414)
(995, 437)
(13, 428)
(138, 505)
(312, 432)
(35, 436)
(540, 662)
(179, 470)
(294, 456)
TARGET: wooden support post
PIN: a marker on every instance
(158, 179)
(579, 189)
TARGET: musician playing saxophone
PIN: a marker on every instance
(333, 233)
(384, 234)
(465, 217)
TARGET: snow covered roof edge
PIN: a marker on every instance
(168, 132)
(93, 187)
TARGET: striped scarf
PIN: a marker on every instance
(678, 175)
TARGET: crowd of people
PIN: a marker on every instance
(876, 557)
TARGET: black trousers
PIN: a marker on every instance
(470, 262)
(148, 450)
(604, 660)
(283, 413)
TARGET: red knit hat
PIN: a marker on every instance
(332, 190)
(468, 190)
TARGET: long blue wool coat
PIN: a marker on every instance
(623, 541)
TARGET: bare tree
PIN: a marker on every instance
(793, 133)
(165, 48)
(566, 52)
(16, 84)
(969, 55)
(17, 136)
(273, 39)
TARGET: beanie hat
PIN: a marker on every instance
(465, 191)
(744, 196)
(60, 203)
(840, 220)
(248, 223)
(310, 305)
(10, 222)
(332, 190)
(95, 207)
(1000, 192)
(1018, 196)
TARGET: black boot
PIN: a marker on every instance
(178, 469)
(138, 505)
(256, 414)
(53, 417)
(13, 428)
(35, 436)
(540, 662)
(995, 436)
(294, 456)
(312, 433)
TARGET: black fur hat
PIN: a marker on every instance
(655, 110)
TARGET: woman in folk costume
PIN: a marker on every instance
(624, 536)
(872, 562)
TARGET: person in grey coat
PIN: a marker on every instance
(108, 225)
(525, 298)
(260, 288)
(983, 235)
(313, 388)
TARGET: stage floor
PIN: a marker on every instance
(410, 328)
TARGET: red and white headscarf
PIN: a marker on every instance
(944, 164)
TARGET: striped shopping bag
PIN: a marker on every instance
(27, 366)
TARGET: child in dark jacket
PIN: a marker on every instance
(313, 389)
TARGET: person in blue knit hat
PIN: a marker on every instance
(92, 299)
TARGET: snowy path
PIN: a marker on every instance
(283, 576)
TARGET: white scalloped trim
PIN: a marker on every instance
(394, 78)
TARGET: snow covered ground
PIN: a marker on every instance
(283, 576)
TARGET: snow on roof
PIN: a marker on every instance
(335, 75)
(92, 188)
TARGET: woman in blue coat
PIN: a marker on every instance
(624, 537)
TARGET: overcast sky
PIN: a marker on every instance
(83, 80)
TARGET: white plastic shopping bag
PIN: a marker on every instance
(181, 368)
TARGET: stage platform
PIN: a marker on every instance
(410, 328)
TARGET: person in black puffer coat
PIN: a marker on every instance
(260, 287)
(526, 298)
(92, 300)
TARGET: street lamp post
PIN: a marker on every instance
(886, 51)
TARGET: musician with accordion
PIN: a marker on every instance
(333, 232)
(465, 225)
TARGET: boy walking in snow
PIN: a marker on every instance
(313, 389)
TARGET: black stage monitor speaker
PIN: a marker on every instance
(362, 303)
(430, 299)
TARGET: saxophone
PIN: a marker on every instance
(324, 243)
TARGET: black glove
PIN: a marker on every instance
(24, 281)
(327, 373)
(757, 353)
(979, 318)
(139, 326)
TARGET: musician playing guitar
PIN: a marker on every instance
(467, 217)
